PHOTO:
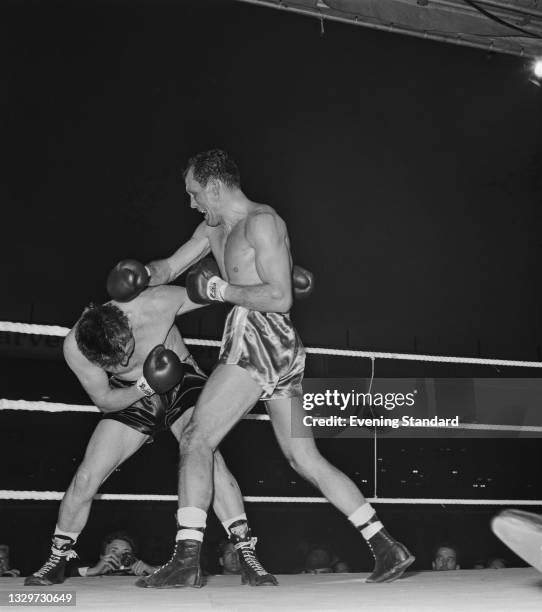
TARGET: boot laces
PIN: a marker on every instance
(54, 559)
(247, 549)
(169, 560)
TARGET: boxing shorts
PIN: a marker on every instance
(267, 346)
(154, 413)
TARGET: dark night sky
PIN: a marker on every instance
(407, 171)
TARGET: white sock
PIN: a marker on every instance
(67, 534)
(191, 523)
(229, 522)
(362, 514)
(359, 518)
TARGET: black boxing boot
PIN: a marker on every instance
(391, 557)
(252, 571)
(183, 569)
(52, 571)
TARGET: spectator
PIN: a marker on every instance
(229, 559)
(496, 563)
(6, 571)
(117, 558)
(320, 560)
(341, 567)
(445, 558)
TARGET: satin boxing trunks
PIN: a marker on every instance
(268, 347)
(157, 412)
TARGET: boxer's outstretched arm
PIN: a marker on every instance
(163, 271)
(172, 301)
(95, 381)
(267, 237)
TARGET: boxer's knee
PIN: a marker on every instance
(195, 440)
(305, 462)
(85, 483)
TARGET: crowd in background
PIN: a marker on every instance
(118, 556)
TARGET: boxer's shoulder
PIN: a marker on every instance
(203, 231)
(264, 220)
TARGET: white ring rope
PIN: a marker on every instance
(7, 404)
(53, 330)
(57, 495)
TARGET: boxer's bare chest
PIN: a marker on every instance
(234, 254)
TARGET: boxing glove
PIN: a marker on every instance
(203, 282)
(127, 280)
(302, 282)
(162, 370)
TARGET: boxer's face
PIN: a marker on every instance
(202, 199)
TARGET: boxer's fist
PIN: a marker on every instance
(162, 370)
(203, 282)
(127, 280)
(302, 282)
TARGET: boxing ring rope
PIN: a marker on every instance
(40, 406)
(57, 495)
(55, 330)
(43, 406)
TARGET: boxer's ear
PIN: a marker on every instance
(214, 187)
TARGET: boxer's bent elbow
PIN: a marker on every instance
(282, 300)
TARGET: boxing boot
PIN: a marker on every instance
(391, 557)
(183, 569)
(252, 571)
(52, 571)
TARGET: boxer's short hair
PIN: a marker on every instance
(214, 164)
(102, 333)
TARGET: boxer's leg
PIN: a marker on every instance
(227, 396)
(305, 458)
(227, 498)
(111, 443)
(229, 393)
(391, 557)
(229, 508)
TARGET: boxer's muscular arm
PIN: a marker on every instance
(164, 271)
(172, 301)
(268, 239)
(95, 381)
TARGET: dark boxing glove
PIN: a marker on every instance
(127, 280)
(162, 370)
(203, 282)
(302, 282)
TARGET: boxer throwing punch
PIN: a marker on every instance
(261, 357)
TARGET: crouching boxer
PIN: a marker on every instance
(132, 361)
